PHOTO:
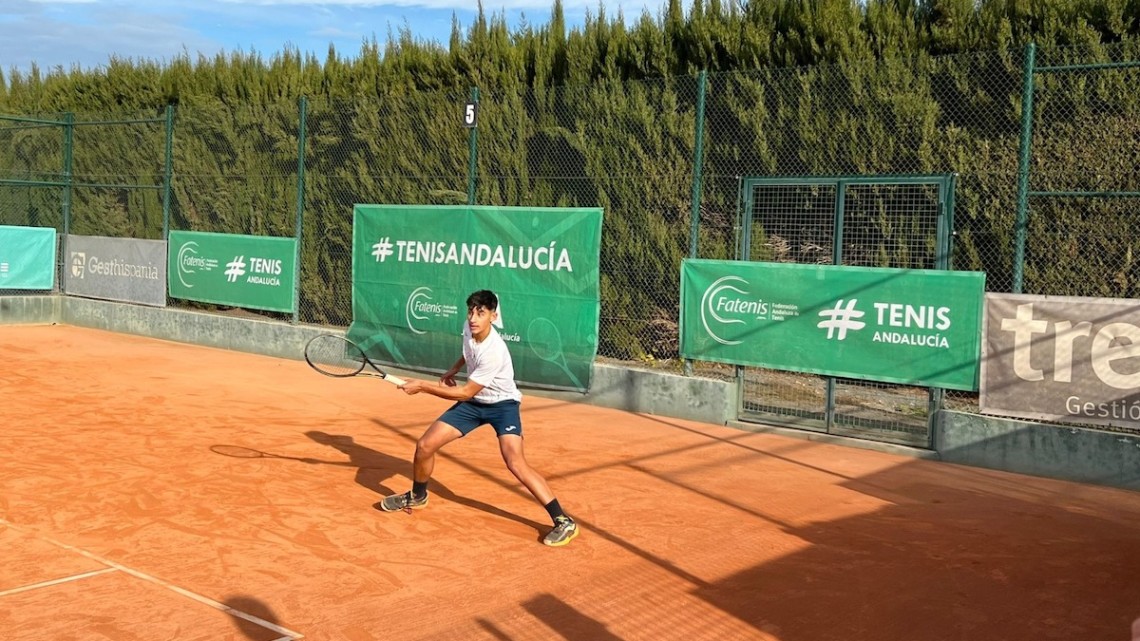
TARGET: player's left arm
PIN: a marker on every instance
(477, 379)
(458, 393)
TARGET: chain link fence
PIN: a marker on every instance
(117, 176)
(631, 148)
(32, 173)
(1084, 173)
(628, 148)
(922, 116)
(83, 174)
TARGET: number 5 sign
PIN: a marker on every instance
(470, 114)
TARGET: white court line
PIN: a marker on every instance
(289, 634)
(55, 581)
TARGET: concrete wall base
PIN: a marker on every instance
(1053, 451)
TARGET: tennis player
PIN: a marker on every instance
(489, 396)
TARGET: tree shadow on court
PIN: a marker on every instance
(951, 552)
(568, 621)
(374, 468)
(943, 563)
(253, 618)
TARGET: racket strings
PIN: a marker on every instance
(335, 356)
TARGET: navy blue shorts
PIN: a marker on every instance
(465, 416)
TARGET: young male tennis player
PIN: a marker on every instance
(489, 396)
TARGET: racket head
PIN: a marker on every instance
(335, 356)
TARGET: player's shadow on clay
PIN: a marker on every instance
(373, 467)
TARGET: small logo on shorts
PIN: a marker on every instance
(512, 428)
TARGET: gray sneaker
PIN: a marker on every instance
(405, 502)
(565, 529)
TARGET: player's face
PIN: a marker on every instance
(479, 319)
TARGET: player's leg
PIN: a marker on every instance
(507, 422)
(423, 464)
(511, 447)
(453, 424)
(565, 528)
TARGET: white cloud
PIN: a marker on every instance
(334, 33)
(628, 7)
(88, 33)
(65, 33)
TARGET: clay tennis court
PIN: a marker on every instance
(119, 521)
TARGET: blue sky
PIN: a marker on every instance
(86, 33)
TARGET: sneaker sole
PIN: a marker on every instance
(564, 541)
(384, 508)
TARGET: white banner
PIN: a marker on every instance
(122, 269)
(1062, 358)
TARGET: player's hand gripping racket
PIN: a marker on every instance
(339, 357)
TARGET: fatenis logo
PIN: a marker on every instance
(189, 262)
(725, 302)
(421, 308)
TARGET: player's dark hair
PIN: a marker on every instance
(484, 298)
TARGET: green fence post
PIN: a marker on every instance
(943, 259)
(698, 171)
(68, 142)
(472, 152)
(303, 106)
(837, 223)
(744, 253)
(1022, 223)
(698, 167)
(168, 173)
(68, 157)
(836, 259)
(744, 219)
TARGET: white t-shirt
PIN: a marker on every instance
(489, 364)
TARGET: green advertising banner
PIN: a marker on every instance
(414, 266)
(915, 327)
(27, 257)
(257, 272)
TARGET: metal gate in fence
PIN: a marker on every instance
(879, 221)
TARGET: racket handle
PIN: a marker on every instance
(395, 380)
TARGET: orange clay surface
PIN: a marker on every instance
(118, 521)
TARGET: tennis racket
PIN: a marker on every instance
(336, 356)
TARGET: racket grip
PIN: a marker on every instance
(395, 380)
